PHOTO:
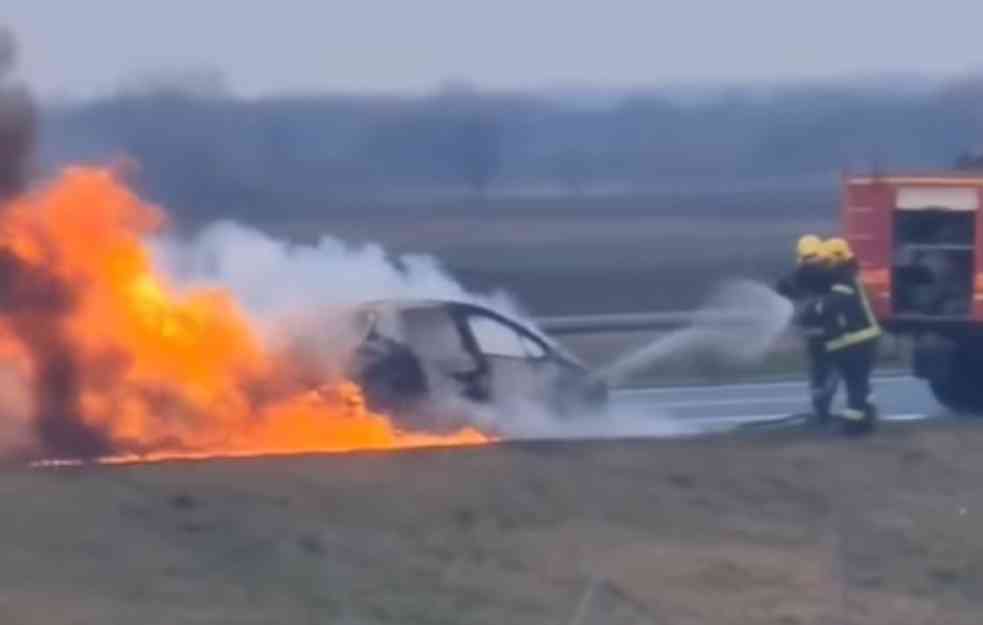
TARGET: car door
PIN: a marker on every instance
(451, 368)
(518, 363)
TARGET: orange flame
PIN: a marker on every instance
(167, 374)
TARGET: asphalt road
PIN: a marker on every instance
(899, 398)
(684, 411)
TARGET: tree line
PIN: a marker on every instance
(206, 151)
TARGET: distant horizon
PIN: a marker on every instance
(859, 80)
(905, 81)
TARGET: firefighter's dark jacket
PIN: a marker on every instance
(847, 316)
(808, 280)
(806, 286)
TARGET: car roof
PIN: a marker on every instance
(401, 305)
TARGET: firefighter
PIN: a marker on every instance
(841, 259)
(852, 335)
(806, 286)
(810, 277)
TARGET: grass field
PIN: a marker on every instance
(788, 529)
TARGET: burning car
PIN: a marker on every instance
(415, 358)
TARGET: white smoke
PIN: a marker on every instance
(739, 324)
(301, 295)
(275, 279)
(301, 288)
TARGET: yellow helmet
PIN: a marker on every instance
(810, 249)
(838, 250)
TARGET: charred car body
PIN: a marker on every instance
(416, 358)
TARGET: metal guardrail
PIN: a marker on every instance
(633, 322)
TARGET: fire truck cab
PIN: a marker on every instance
(919, 241)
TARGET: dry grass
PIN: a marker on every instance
(780, 529)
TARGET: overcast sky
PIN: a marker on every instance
(78, 48)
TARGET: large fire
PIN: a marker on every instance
(123, 365)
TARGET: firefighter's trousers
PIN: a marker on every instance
(824, 378)
(855, 365)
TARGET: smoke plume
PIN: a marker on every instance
(30, 301)
(33, 304)
(274, 279)
(300, 295)
(18, 122)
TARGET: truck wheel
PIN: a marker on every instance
(960, 389)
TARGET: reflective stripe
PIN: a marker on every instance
(873, 329)
(852, 415)
(871, 319)
(852, 338)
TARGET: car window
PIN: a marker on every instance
(498, 339)
(432, 333)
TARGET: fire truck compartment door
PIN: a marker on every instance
(943, 198)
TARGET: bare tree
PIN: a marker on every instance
(473, 149)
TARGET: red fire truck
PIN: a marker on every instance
(919, 240)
